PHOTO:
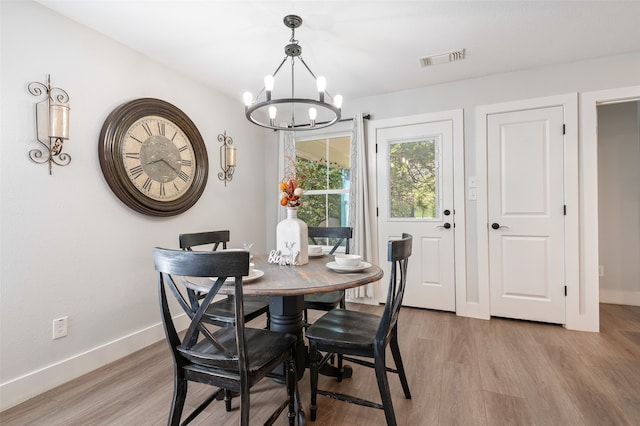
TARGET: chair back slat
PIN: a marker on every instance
(217, 238)
(398, 253)
(341, 233)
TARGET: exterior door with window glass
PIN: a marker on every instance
(415, 196)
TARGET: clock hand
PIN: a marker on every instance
(172, 168)
(155, 161)
(165, 162)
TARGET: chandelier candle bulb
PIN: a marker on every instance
(337, 101)
(313, 113)
(247, 97)
(268, 85)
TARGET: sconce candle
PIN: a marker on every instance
(227, 158)
(52, 124)
(59, 121)
(231, 156)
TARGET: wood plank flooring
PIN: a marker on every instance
(462, 371)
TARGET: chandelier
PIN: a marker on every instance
(293, 113)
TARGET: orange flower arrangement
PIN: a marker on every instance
(290, 188)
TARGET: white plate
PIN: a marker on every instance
(257, 273)
(203, 285)
(338, 268)
(316, 254)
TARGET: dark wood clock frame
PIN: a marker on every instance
(113, 168)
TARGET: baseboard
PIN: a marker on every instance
(34, 383)
(620, 297)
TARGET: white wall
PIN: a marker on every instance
(62, 237)
(68, 246)
(571, 78)
(619, 202)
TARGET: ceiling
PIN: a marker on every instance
(363, 48)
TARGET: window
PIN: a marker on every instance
(325, 166)
(414, 181)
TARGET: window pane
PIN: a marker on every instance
(413, 179)
(324, 163)
(324, 210)
(339, 163)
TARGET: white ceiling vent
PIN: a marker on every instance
(442, 58)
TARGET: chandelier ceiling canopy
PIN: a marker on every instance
(290, 112)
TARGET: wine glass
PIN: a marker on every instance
(247, 248)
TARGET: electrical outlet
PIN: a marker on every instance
(60, 327)
(601, 270)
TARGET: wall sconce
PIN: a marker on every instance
(52, 124)
(227, 158)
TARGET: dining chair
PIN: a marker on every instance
(365, 335)
(232, 357)
(330, 300)
(254, 306)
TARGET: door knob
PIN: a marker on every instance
(446, 225)
(498, 226)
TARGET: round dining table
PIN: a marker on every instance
(287, 285)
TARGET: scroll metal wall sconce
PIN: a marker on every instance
(52, 124)
(227, 158)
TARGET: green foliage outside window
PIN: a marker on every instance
(413, 179)
(315, 209)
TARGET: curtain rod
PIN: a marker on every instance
(364, 117)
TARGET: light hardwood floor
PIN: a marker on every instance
(462, 371)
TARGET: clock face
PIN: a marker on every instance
(159, 158)
(153, 157)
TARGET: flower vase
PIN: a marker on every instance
(292, 236)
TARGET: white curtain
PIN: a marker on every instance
(359, 218)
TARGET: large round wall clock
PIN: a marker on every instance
(153, 157)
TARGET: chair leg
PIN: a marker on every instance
(313, 378)
(227, 399)
(383, 386)
(291, 391)
(244, 406)
(395, 351)
(179, 396)
(305, 318)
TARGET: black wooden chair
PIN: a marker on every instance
(330, 300)
(366, 336)
(231, 357)
(254, 306)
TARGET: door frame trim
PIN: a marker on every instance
(460, 253)
(589, 307)
(480, 306)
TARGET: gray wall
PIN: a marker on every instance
(619, 202)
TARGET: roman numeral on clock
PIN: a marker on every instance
(182, 175)
(147, 129)
(136, 171)
(147, 184)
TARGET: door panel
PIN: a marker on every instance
(526, 214)
(415, 188)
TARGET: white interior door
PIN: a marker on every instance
(526, 214)
(415, 195)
